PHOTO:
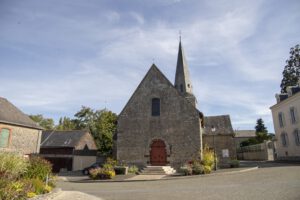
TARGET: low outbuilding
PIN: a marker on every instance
(219, 136)
(68, 150)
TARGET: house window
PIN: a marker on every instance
(293, 115)
(280, 118)
(155, 107)
(297, 137)
(284, 139)
(4, 137)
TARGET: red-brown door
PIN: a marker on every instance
(158, 153)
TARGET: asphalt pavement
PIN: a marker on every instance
(269, 181)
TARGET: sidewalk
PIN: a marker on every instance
(74, 195)
(132, 177)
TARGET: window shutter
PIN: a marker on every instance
(283, 120)
(297, 137)
(290, 116)
(4, 137)
(296, 115)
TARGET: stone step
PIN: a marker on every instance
(157, 170)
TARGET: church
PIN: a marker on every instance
(160, 124)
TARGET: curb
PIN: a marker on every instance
(167, 178)
(55, 192)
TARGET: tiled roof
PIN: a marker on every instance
(10, 114)
(52, 138)
(244, 133)
(218, 125)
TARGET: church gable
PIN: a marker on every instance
(154, 84)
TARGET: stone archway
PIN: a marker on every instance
(158, 153)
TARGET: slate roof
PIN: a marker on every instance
(10, 114)
(218, 125)
(61, 138)
(244, 133)
(182, 76)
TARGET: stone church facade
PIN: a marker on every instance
(160, 124)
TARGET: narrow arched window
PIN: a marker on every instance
(281, 119)
(181, 88)
(284, 139)
(297, 137)
(155, 107)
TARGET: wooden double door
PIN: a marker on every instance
(158, 153)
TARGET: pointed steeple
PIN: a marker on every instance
(182, 78)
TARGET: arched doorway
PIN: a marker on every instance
(158, 153)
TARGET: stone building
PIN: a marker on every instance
(287, 124)
(68, 150)
(18, 133)
(160, 124)
(219, 136)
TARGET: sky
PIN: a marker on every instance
(59, 55)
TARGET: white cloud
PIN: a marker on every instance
(96, 53)
(139, 18)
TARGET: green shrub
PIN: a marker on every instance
(197, 168)
(111, 162)
(93, 173)
(12, 165)
(52, 180)
(108, 166)
(38, 168)
(30, 194)
(234, 163)
(21, 178)
(38, 186)
(15, 190)
(208, 158)
(186, 170)
(133, 169)
(207, 169)
(121, 169)
(102, 173)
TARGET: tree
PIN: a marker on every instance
(291, 72)
(261, 134)
(106, 127)
(261, 131)
(100, 123)
(66, 124)
(260, 126)
(46, 123)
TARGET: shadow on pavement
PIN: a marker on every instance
(267, 164)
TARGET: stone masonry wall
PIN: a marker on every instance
(23, 140)
(178, 124)
(222, 142)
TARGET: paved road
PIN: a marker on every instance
(274, 181)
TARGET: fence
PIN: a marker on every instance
(263, 151)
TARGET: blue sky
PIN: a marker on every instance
(56, 56)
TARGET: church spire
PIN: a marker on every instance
(182, 78)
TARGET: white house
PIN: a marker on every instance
(287, 123)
